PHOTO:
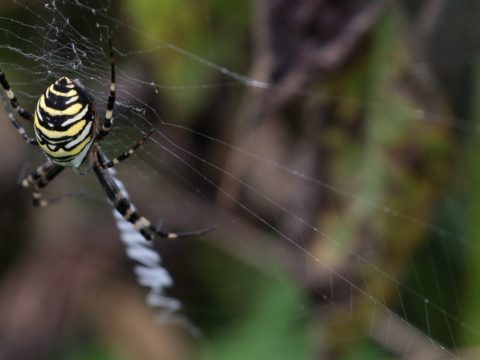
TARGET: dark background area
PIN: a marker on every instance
(341, 170)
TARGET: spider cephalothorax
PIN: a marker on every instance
(65, 122)
(68, 132)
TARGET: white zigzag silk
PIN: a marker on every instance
(149, 270)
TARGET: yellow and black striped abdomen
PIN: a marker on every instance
(65, 122)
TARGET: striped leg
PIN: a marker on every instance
(126, 154)
(128, 211)
(17, 125)
(13, 99)
(39, 179)
(107, 124)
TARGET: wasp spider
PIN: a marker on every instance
(67, 131)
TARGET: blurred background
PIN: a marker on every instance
(333, 143)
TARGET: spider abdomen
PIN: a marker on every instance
(65, 124)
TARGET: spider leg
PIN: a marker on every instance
(13, 99)
(171, 235)
(128, 210)
(107, 123)
(108, 164)
(39, 179)
(17, 125)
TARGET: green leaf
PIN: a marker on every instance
(274, 329)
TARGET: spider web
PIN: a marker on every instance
(183, 177)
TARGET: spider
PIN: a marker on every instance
(67, 131)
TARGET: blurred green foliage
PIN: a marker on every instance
(391, 159)
(89, 351)
(216, 31)
(471, 308)
(275, 326)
